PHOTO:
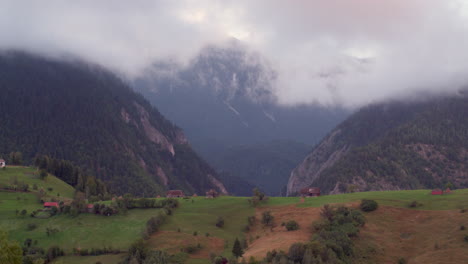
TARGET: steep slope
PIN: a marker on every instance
(82, 113)
(392, 146)
(224, 99)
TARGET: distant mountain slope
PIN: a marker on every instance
(392, 146)
(266, 165)
(82, 113)
(224, 99)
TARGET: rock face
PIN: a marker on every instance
(391, 146)
(87, 115)
(324, 156)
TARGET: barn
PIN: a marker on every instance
(175, 194)
(437, 192)
(310, 192)
(51, 204)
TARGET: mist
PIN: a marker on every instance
(334, 53)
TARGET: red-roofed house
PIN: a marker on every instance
(437, 192)
(310, 192)
(51, 204)
(175, 194)
(90, 208)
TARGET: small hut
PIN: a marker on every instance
(437, 192)
(212, 194)
(310, 192)
(174, 194)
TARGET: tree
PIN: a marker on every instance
(42, 174)
(237, 249)
(10, 252)
(16, 158)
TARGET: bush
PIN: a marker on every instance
(31, 227)
(466, 238)
(402, 261)
(462, 227)
(414, 204)
(368, 205)
(292, 225)
(267, 218)
(220, 222)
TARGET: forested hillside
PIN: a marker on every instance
(82, 113)
(392, 146)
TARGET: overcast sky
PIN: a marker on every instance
(346, 52)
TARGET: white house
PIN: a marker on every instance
(2, 163)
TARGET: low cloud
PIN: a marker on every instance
(333, 52)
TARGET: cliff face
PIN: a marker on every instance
(87, 115)
(390, 147)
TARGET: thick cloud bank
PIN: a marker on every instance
(332, 52)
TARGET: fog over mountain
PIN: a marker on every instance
(347, 53)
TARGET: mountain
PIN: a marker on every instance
(392, 146)
(265, 165)
(224, 99)
(82, 113)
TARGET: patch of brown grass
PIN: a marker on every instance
(416, 235)
(173, 242)
(277, 237)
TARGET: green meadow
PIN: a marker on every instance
(52, 186)
(195, 215)
(457, 199)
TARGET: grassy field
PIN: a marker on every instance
(198, 215)
(30, 176)
(104, 259)
(456, 200)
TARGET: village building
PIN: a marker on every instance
(51, 204)
(174, 194)
(212, 194)
(437, 192)
(90, 208)
(310, 192)
(2, 163)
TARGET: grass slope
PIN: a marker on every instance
(455, 200)
(31, 176)
(200, 216)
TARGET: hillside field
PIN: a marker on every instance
(432, 230)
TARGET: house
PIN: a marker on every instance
(2, 163)
(89, 208)
(447, 190)
(437, 192)
(212, 194)
(51, 204)
(310, 192)
(174, 194)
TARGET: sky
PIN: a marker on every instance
(332, 52)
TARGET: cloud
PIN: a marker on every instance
(330, 52)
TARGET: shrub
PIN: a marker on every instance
(466, 238)
(292, 225)
(368, 205)
(31, 227)
(190, 249)
(195, 233)
(462, 227)
(267, 218)
(402, 261)
(414, 204)
(220, 222)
